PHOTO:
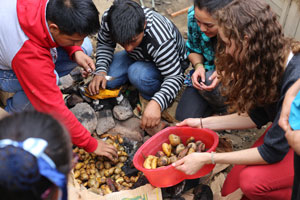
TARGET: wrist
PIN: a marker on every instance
(198, 65)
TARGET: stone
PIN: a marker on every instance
(86, 116)
(66, 82)
(129, 128)
(123, 111)
(72, 100)
(156, 129)
(105, 121)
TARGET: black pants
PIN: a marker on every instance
(195, 104)
(296, 185)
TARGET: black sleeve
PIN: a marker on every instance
(259, 116)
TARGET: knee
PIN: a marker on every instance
(87, 46)
(250, 185)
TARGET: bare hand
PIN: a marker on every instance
(213, 85)
(191, 163)
(199, 74)
(192, 122)
(84, 61)
(151, 116)
(293, 138)
(286, 105)
(107, 150)
(96, 83)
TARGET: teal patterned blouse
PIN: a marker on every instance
(199, 43)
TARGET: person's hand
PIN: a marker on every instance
(151, 116)
(107, 150)
(293, 138)
(191, 163)
(285, 112)
(192, 122)
(199, 74)
(213, 85)
(286, 105)
(84, 61)
(97, 82)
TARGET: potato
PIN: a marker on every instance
(76, 173)
(191, 150)
(159, 154)
(191, 139)
(174, 140)
(148, 161)
(179, 148)
(154, 162)
(167, 148)
(93, 183)
(173, 159)
(79, 165)
(183, 153)
(192, 145)
(162, 161)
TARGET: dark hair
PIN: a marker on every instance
(251, 78)
(126, 19)
(211, 6)
(74, 16)
(23, 169)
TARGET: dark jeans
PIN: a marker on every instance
(195, 103)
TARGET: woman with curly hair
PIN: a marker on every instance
(257, 65)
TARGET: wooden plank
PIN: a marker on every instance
(297, 35)
(292, 20)
(285, 12)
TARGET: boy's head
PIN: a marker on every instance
(70, 21)
(126, 21)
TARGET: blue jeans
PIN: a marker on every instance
(143, 75)
(9, 82)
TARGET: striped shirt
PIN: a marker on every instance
(162, 44)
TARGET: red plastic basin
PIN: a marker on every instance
(168, 176)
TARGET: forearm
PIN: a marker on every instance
(242, 157)
(231, 121)
(294, 89)
(195, 58)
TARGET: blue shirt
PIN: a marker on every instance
(294, 119)
(199, 43)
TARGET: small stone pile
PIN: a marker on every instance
(114, 115)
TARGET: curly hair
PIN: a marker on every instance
(251, 76)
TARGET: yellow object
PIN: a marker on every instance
(103, 93)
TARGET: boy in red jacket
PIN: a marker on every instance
(30, 32)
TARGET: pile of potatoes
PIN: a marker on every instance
(100, 174)
(173, 151)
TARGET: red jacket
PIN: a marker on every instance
(34, 68)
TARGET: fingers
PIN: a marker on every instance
(213, 76)
(195, 81)
(202, 75)
(183, 123)
(94, 85)
(178, 163)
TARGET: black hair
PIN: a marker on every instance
(19, 175)
(126, 19)
(211, 6)
(74, 16)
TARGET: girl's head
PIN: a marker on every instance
(251, 54)
(21, 176)
(204, 14)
